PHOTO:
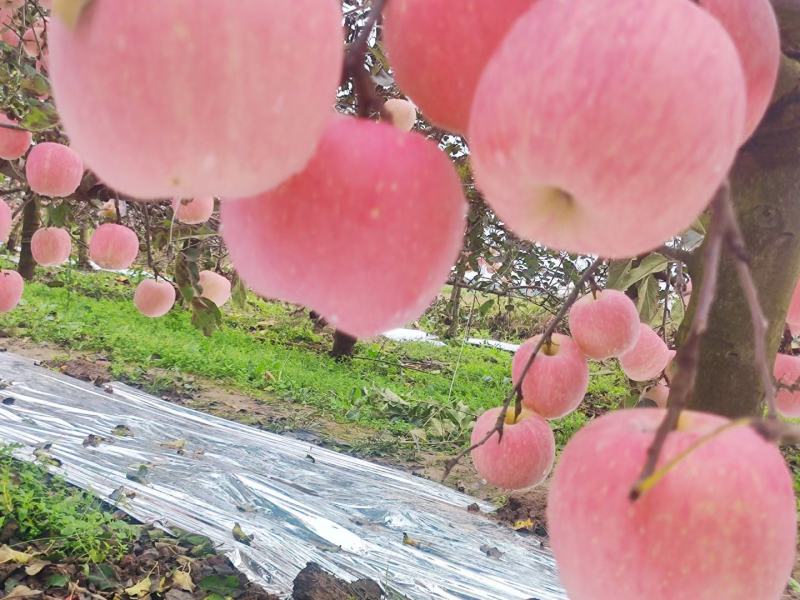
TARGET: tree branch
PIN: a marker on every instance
(368, 99)
(516, 391)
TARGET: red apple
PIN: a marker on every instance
(793, 314)
(754, 29)
(53, 170)
(558, 378)
(215, 287)
(720, 525)
(523, 457)
(194, 97)
(585, 155)
(51, 246)
(659, 394)
(13, 142)
(787, 372)
(193, 211)
(604, 324)
(368, 252)
(11, 286)
(154, 298)
(438, 51)
(648, 358)
(113, 246)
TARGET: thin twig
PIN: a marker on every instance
(516, 391)
(150, 261)
(688, 354)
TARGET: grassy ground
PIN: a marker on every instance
(271, 350)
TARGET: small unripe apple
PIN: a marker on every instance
(51, 246)
(215, 287)
(193, 211)
(558, 378)
(6, 221)
(648, 358)
(402, 113)
(53, 170)
(523, 457)
(659, 394)
(604, 324)
(154, 298)
(11, 286)
(13, 142)
(114, 246)
(719, 525)
(579, 157)
(787, 372)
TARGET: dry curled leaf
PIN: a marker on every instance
(141, 589)
(183, 581)
(9, 555)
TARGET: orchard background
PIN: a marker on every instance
(615, 180)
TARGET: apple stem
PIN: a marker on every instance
(516, 391)
(645, 485)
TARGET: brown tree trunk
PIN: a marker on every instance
(30, 223)
(454, 302)
(766, 190)
(83, 248)
(343, 345)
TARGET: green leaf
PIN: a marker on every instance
(206, 315)
(217, 584)
(56, 580)
(625, 278)
(676, 312)
(41, 117)
(486, 307)
(647, 302)
(103, 577)
(57, 214)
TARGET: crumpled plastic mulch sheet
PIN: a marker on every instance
(346, 514)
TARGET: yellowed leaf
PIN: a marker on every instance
(9, 555)
(526, 524)
(35, 566)
(69, 11)
(174, 444)
(23, 591)
(141, 589)
(183, 581)
(409, 541)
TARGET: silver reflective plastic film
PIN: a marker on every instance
(346, 514)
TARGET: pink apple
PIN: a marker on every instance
(13, 142)
(53, 170)
(113, 246)
(154, 298)
(658, 394)
(33, 40)
(11, 286)
(754, 29)
(648, 358)
(51, 246)
(368, 253)
(224, 102)
(787, 372)
(604, 324)
(215, 287)
(558, 379)
(716, 526)
(584, 155)
(438, 51)
(672, 367)
(6, 220)
(193, 211)
(402, 112)
(523, 457)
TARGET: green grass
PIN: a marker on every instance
(67, 522)
(271, 349)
